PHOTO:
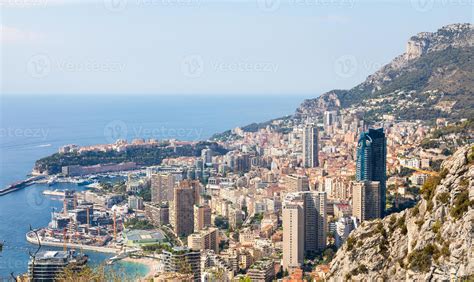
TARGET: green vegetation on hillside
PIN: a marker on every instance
(253, 127)
(420, 260)
(143, 156)
(145, 193)
(461, 204)
(449, 71)
(221, 222)
(135, 223)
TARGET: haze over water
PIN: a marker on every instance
(32, 127)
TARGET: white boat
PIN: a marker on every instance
(116, 258)
(52, 181)
(53, 193)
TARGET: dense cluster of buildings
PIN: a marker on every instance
(280, 198)
(78, 170)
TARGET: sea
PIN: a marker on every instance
(35, 126)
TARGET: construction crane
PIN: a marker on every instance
(64, 239)
(88, 221)
(115, 226)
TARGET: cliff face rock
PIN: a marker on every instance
(440, 61)
(431, 241)
(455, 35)
(327, 102)
(452, 36)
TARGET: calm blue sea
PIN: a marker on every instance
(32, 127)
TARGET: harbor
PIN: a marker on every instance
(20, 185)
(27, 211)
(88, 181)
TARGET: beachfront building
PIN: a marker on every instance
(49, 265)
(182, 260)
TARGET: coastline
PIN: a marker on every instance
(149, 263)
(21, 203)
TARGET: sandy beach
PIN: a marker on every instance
(151, 264)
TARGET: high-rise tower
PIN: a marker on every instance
(182, 210)
(372, 160)
(304, 226)
(310, 146)
(162, 186)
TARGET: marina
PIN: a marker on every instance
(88, 181)
(29, 206)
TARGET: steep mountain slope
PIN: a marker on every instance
(436, 73)
(431, 241)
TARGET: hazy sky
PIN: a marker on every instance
(207, 47)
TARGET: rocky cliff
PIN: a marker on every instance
(431, 241)
(436, 68)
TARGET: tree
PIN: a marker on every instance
(145, 194)
(328, 255)
(279, 275)
(221, 222)
(184, 267)
(120, 187)
(135, 223)
(97, 274)
(105, 186)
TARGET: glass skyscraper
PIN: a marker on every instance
(372, 160)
